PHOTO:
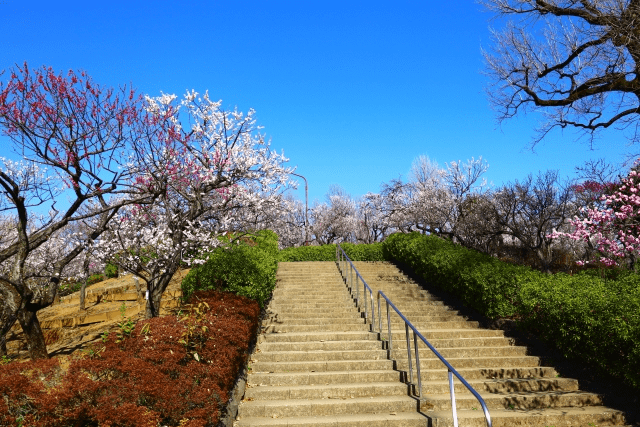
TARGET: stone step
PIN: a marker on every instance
(322, 378)
(304, 292)
(495, 341)
(305, 305)
(461, 352)
(392, 419)
(323, 407)
(399, 336)
(322, 365)
(317, 336)
(322, 345)
(514, 400)
(328, 391)
(429, 326)
(319, 355)
(557, 417)
(301, 320)
(435, 387)
(490, 373)
(282, 328)
(473, 362)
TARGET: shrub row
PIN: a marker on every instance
(248, 268)
(357, 252)
(173, 371)
(586, 317)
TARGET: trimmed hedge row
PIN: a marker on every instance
(584, 316)
(249, 269)
(357, 252)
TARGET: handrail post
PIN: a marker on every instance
(364, 299)
(373, 313)
(415, 345)
(406, 329)
(453, 399)
(389, 326)
(350, 274)
(379, 317)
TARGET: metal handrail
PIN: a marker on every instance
(343, 262)
(451, 370)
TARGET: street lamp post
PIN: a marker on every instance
(306, 209)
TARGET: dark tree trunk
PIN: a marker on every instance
(156, 288)
(13, 304)
(83, 290)
(33, 334)
(82, 294)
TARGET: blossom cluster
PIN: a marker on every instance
(612, 228)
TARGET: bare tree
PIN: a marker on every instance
(574, 61)
(531, 210)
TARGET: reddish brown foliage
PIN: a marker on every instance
(147, 379)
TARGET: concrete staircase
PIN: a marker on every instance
(318, 364)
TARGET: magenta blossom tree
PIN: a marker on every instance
(74, 138)
(611, 223)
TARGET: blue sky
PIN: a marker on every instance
(351, 91)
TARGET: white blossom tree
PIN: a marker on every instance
(434, 199)
(372, 220)
(336, 220)
(208, 173)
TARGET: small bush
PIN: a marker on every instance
(247, 269)
(111, 271)
(69, 288)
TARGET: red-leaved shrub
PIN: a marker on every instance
(172, 370)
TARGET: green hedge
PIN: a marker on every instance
(589, 318)
(247, 269)
(586, 317)
(482, 282)
(357, 252)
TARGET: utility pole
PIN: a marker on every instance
(306, 209)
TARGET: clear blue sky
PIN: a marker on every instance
(351, 91)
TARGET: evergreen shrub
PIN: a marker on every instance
(593, 319)
(357, 252)
(247, 268)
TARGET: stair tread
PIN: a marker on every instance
(371, 420)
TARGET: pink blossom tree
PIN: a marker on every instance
(207, 172)
(610, 223)
(72, 135)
